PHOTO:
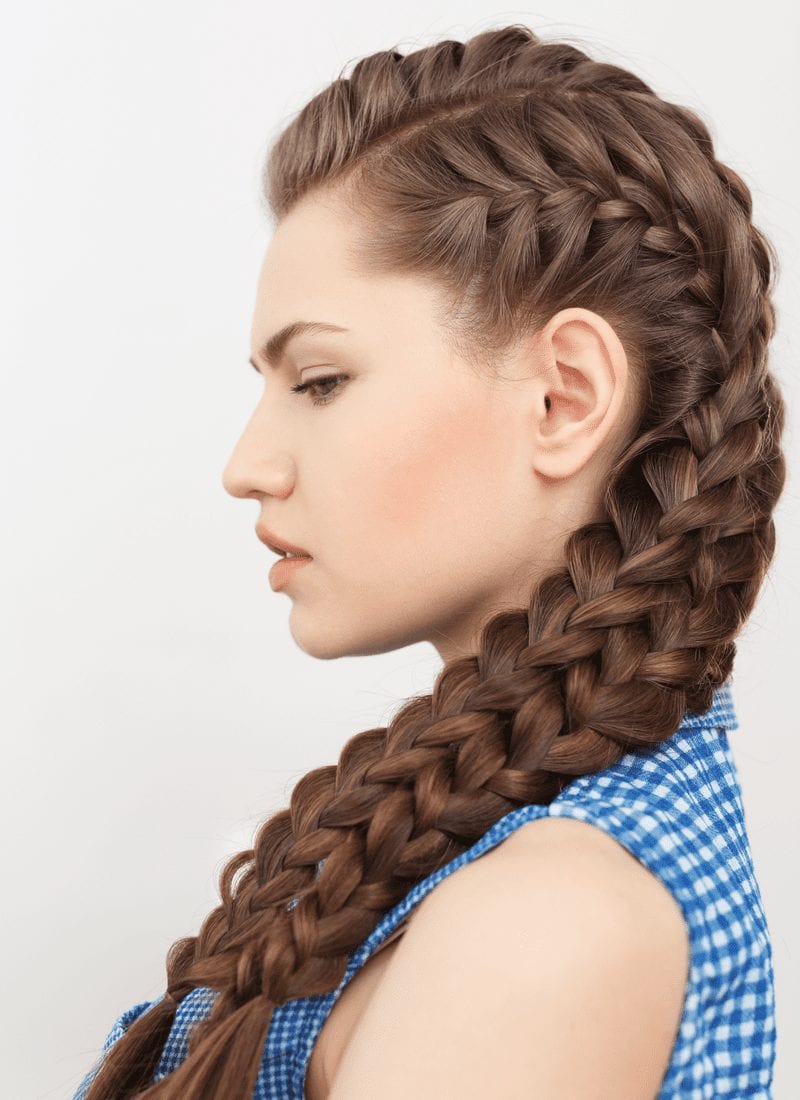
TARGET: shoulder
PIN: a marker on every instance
(569, 873)
(555, 964)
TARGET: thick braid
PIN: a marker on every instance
(525, 177)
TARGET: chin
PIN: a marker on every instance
(314, 640)
(326, 645)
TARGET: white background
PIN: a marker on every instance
(155, 708)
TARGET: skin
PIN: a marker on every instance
(429, 494)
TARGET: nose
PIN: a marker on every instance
(250, 473)
(261, 463)
(234, 481)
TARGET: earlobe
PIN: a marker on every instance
(586, 378)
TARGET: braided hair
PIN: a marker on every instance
(524, 177)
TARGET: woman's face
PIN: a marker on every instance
(428, 497)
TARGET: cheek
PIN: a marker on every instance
(432, 485)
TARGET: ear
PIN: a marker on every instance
(582, 381)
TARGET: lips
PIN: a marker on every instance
(279, 545)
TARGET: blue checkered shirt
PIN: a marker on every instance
(678, 809)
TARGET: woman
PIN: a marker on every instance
(540, 313)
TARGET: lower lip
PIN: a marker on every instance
(282, 570)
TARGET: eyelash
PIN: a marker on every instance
(301, 387)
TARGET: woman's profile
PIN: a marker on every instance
(512, 329)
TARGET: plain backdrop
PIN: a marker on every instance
(154, 705)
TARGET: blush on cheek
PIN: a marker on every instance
(417, 480)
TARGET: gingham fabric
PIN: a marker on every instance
(678, 809)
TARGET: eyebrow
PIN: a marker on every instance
(274, 348)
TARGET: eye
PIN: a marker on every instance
(325, 399)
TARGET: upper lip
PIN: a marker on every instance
(280, 546)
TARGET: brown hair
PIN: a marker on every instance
(523, 177)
